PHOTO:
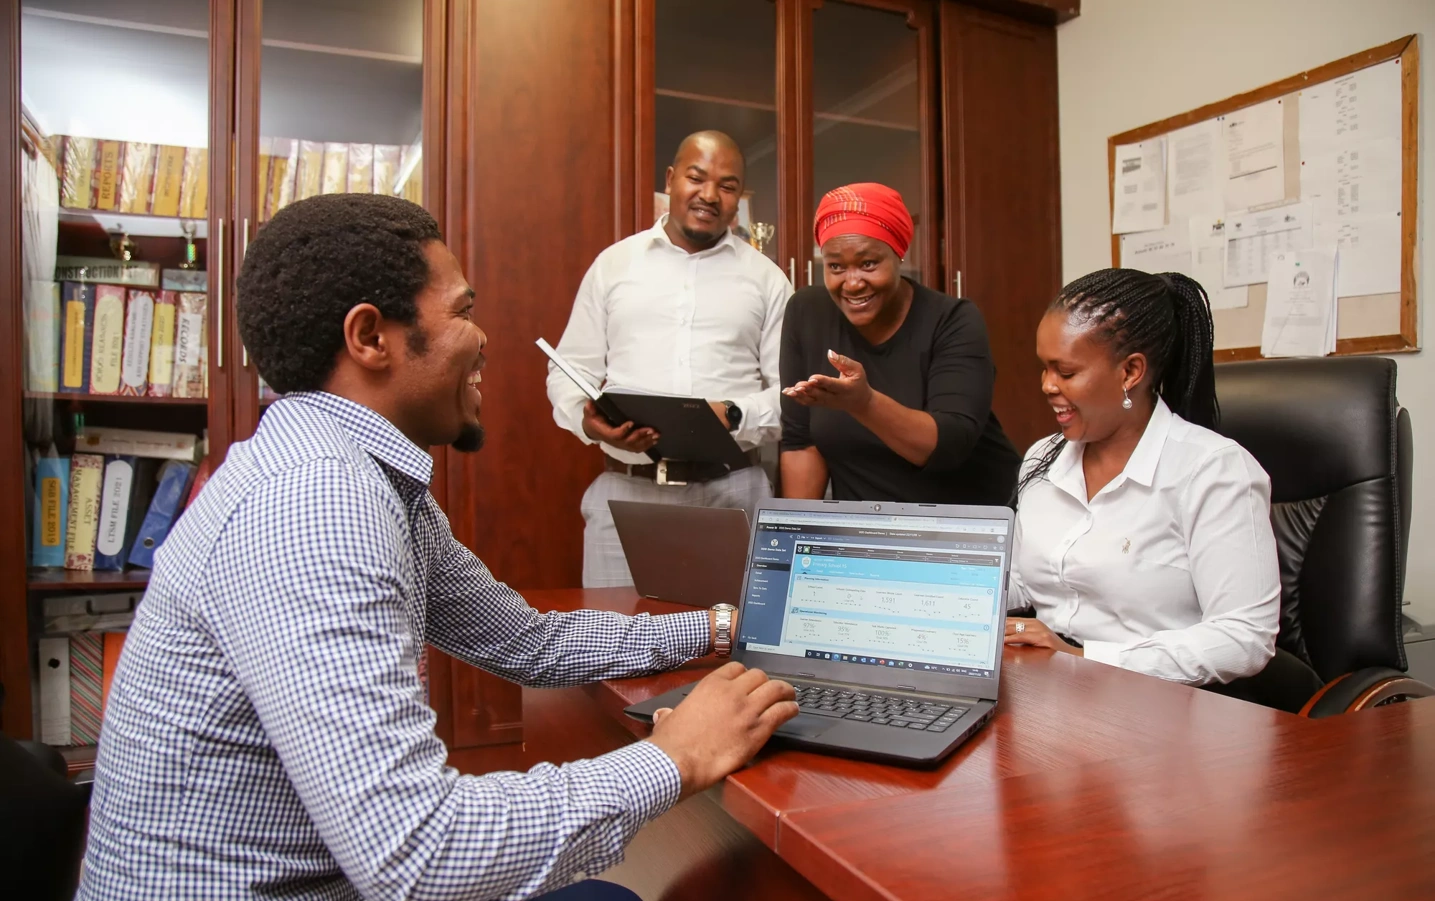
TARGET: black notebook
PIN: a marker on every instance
(687, 427)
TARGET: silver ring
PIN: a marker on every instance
(1021, 627)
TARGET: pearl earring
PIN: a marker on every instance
(1125, 399)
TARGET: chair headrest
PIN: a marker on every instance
(1316, 425)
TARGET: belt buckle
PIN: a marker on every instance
(662, 475)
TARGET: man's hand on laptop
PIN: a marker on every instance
(624, 437)
(722, 724)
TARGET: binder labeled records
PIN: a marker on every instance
(137, 177)
(77, 185)
(361, 169)
(336, 169)
(191, 345)
(164, 509)
(139, 326)
(42, 336)
(309, 179)
(125, 492)
(52, 509)
(168, 179)
(386, 167)
(262, 173)
(55, 691)
(132, 273)
(107, 175)
(83, 521)
(194, 187)
(87, 669)
(114, 645)
(107, 350)
(161, 347)
(136, 443)
(78, 314)
(282, 169)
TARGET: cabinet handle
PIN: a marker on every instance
(809, 273)
(217, 246)
(958, 282)
(792, 271)
(244, 252)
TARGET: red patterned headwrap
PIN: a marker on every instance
(867, 209)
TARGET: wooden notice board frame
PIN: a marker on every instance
(1407, 51)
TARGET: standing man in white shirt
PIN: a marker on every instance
(684, 308)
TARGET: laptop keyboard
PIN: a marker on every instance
(882, 710)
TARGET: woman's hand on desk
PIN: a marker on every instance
(849, 391)
(722, 724)
(1033, 632)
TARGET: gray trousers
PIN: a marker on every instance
(604, 565)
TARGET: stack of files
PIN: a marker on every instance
(133, 177)
(136, 341)
(114, 508)
(75, 675)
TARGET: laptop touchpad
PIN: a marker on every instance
(805, 726)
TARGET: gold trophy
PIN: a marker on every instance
(121, 246)
(761, 233)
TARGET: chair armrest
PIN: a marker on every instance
(85, 782)
(1369, 687)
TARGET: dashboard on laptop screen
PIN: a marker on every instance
(917, 592)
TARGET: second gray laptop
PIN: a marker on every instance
(687, 555)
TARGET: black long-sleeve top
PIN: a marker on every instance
(939, 362)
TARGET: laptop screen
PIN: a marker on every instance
(919, 593)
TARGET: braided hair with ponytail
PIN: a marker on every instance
(1167, 318)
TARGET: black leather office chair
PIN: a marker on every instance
(1338, 449)
(42, 822)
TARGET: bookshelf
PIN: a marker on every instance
(56, 580)
(350, 77)
(124, 399)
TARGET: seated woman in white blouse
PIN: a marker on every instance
(1143, 538)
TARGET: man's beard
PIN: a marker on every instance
(702, 239)
(470, 439)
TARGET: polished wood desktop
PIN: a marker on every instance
(1094, 780)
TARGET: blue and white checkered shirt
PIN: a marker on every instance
(267, 733)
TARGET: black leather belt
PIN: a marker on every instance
(674, 472)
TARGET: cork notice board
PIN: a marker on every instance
(1371, 323)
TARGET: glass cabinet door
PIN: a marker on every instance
(869, 84)
(717, 69)
(340, 103)
(118, 314)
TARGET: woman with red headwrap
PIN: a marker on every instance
(888, 384)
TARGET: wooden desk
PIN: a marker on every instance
(1093, 780)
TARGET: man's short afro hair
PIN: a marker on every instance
(313, 262)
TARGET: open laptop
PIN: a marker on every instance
(888, 618)
(683, 554)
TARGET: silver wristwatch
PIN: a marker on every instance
(722, 644)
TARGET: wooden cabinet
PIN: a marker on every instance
(1003, 202)
(818, 93)
(954, 104)
(362, 89)
(542, 131)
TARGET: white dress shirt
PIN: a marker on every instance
(651, 317)
(1169, 570)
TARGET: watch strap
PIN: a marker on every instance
(722, 642)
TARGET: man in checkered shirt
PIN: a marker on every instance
(267, 733)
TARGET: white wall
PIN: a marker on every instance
(1125, 63)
